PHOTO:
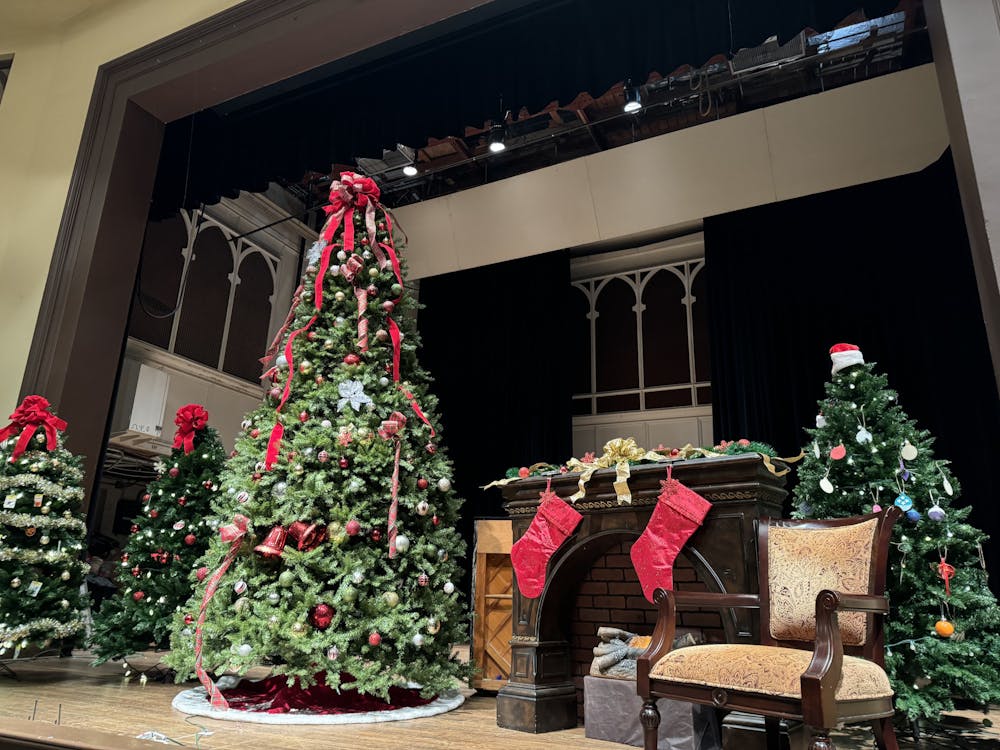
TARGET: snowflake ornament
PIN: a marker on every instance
(312, 257)
(352, 392)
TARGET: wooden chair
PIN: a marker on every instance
(811, 665)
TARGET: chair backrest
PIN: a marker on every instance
(800, 558)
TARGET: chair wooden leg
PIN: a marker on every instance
(885, 734)
(772, 732)
(820, 739)
(650, 720)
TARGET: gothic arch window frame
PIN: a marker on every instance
(240, 249)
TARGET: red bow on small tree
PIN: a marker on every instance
(189, 420)
(27, 418)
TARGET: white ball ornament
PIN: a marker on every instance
(444, 484)
(64, 604)
(341, 256)
(274, 597)
(423, 508)
(383, 381)
(358, 576)
(418, 640)
(240, 587)
(333, 653)
(244, 649)
(281, 362)
(326, 424)
(65, 575)
(280, 488)
(449, 588)
(402, 543)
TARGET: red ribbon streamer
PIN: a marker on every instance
(416, 408)
(27, 418)
(390, 429)
(362, 297)
(234, 534)
(189, 420)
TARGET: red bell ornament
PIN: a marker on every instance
(273, 543)
(307, 535)
(321, 616)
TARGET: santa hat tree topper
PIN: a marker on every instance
(844, 356)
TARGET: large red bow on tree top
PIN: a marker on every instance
(27, 418)
(189, 420)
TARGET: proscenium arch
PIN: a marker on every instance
(555, 601)
(80, 332)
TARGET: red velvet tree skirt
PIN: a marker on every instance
(272, 701)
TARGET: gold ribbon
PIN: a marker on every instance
(618, 453)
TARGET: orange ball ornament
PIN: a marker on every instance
(944, 628)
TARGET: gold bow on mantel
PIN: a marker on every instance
(618, 453)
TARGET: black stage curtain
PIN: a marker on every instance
(407, 91)
(492, 339)
(885, 266)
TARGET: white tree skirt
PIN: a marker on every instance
(195, 702)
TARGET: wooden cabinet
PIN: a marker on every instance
(493, 598)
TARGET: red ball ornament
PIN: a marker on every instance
(188, 619)
(207, 484)
(275, 393)
(838, 452)
(311, 335)
(125, 557)
(431, 448)
(303, 416)
(321, 616)
(352, 527)
(374, 639)
(154, 513)
(320, 380)
(254, 432)
(371, 290)
(190, 539)
(201, 573)
(322, 457)
(182, 500)
(422, 483)
(376, 535)
(256, 476)
(344, 463)
(134, 528)
(388, 306)
(435, 520)
(136, 572)
(233, 454)
(146, 498)
(174, 471)
(423, 579)
(352, 359)
(138, 596)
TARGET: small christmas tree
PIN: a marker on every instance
(41, 532)
(942, 632)
(166, 541)
(338, 549)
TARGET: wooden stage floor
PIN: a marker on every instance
(84, 697)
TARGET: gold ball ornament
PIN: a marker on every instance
(298, 628)
(433, 625)
(64, 604)
(391, 599)
(339, 296)
(65, 575)
(15, 583)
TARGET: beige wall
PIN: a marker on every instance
(868, 131)
(41, 120)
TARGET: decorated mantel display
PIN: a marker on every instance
(41, 533)
(335, 561)
(678, 513)
(168, 536)
(943, 632)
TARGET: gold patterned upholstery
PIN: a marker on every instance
(803, 562)
(770, 670)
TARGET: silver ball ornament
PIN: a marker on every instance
(64, 604)
(358, 576)
(418, 640)
(444, 484)
(423, 508)
(274, 597)
(449, 588)
(244, 649)
(333, 653)
(402, 543)
(383, 381)
(65, 575)
(280, 488)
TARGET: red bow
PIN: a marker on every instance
(946, 570)
(27, 418)
(189, 420)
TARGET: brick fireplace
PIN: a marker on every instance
(609, 594)
(551, 645)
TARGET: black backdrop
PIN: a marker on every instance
(493, 339)
(885, 266)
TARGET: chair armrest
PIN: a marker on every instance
(663, 634)
(819, 681)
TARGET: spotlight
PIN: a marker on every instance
(496, 138)
(410, 171)
(633, 99)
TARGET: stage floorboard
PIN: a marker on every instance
(81, 697)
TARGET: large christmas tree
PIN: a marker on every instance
(167, 539)
(942, 632)
(338, 551)
(41, 532)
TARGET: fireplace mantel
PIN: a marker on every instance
(540, 695)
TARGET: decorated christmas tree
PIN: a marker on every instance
(166, 541)
(942, 632)
(41, 532)
(336, 560)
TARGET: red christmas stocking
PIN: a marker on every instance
(678, 513)
(554, 521)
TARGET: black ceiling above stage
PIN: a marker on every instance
(419, 86)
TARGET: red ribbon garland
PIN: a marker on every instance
(234, 534)
(390, 429)
(416, 408)
(27, 418)
(189, 420)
